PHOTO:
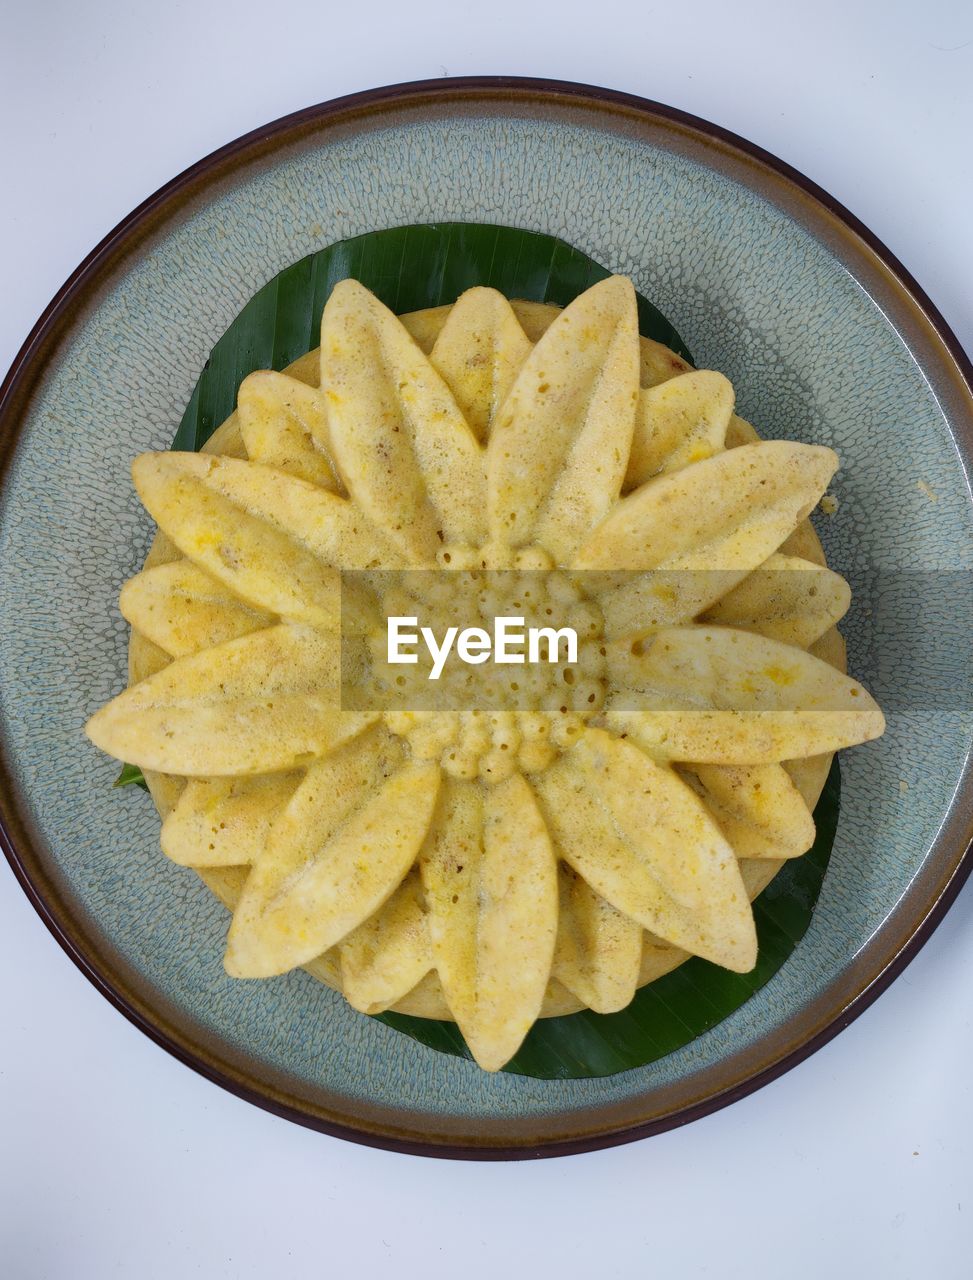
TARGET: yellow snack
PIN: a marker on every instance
(489, 864)
(556, 456)
(183, 609)
(490, 877)
(414, 465)
(599, 949)
(479, 352)
(284, 424)
(677, 423)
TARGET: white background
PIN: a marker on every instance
(118, 1161)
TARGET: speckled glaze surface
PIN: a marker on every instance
(823, 343)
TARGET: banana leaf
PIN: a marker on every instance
(414, 267)
(130, 776)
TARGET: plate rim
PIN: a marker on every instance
(41, 346)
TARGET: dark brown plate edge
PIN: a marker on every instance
(41, 344)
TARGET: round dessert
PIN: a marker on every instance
(497, 842)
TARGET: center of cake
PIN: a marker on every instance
(488, 671)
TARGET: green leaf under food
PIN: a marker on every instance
(672, 1011)
(130, 776)
(414, 267)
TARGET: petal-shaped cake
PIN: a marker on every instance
(558, 834)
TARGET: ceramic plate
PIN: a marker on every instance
(826, 339)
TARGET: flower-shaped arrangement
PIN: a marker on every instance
(554, 836)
